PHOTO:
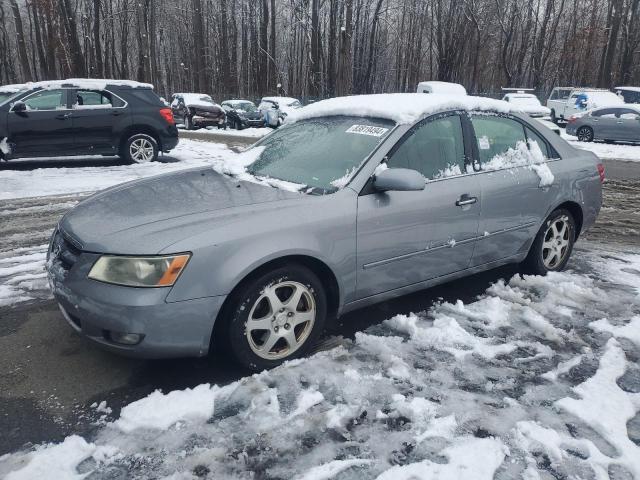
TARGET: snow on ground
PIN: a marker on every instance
(536, 379)
(53, 181)
(617, 151)
(247, 132)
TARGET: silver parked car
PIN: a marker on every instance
(609, 124)
(388, 201)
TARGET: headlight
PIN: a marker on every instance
(157, 271)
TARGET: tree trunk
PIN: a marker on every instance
(22, 46)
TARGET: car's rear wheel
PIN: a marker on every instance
(553, 244)
(276, 316)
(585, 134)
(140, 148)
(554, 119)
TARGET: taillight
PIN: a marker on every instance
(601, 172)
(167, 115)
(572, 119)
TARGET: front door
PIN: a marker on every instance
(405, 238)
(95, 117)
(44, 128)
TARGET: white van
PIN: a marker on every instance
(441, 87)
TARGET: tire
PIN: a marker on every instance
(188, 122)
(552, 247)
(585, 134)
(140, 148)
(554, 119)
(280, 340)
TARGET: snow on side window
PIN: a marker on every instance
(525, 154)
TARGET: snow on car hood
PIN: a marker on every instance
(146, 215)
(529, 381)
(400, 107)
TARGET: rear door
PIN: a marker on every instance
(605, 123)
(513, 202)
(405, 238)
(629, 125)
(97, 116)
(45, 127)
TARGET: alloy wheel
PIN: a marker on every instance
(585, 134)
(280, 320)
(555, 244)
(141, 150)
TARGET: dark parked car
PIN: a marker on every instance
(86, 117)
(196, 110)
(609, 124)
(242, 114)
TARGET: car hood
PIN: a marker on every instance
(146, 216)
(535, 109)
(202, 107)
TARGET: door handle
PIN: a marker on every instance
(115, 114)
(63, 116)
(619, 121)
(466, 199)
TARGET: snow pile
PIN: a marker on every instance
(195, 100)
(22, 275)
(4, 146)
(402, 108)
(525, 154)
(526, 382)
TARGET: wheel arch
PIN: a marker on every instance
(324, 273)
(139, 129)
(575, 210)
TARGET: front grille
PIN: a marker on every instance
(63, 251)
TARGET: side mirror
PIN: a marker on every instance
(399, 180)
(19, 106)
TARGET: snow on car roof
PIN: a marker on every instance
(400, 107)
(14, 88)
(285, 100)
(630, 89)
(435, 86)
(88, 83)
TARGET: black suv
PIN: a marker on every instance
(86, 117)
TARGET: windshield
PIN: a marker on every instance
(321, 153)
(525, 100)
(245, 106)
(4, 96)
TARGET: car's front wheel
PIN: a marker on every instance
(276, 316)
(140, 148)
(553, 244)
(585, 134)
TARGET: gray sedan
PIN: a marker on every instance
(609, 124)
(379, 202)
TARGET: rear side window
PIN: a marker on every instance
(434, 148)
(496, 135)
(146, 95)
(97, 99)
(534, 137)
(628, 114)
(605, 112)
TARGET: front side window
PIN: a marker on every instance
(46, 100)
(496, 135)
(604, 113)
(321, 153)
(434, 148)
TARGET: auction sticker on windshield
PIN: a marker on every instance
(367, 130)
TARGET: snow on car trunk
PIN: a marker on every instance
(527, 381)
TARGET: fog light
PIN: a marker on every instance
(125, 338)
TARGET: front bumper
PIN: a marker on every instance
(200, 121)
(253, 122)
(99, 310)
